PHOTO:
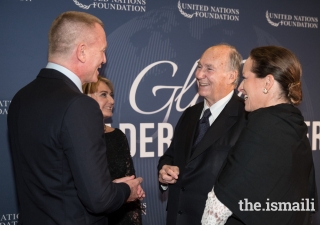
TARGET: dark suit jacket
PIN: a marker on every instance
(59, 155)
(198, 173)
(271, 163)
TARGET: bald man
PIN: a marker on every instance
(190, 166)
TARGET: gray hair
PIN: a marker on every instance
(235, 60)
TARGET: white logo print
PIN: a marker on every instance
(208, 12)
(122, 5)
(184, 13)
(81, 5)
(4, 106)
(269, 21)
(292, 20)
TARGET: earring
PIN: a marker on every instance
(265, 91)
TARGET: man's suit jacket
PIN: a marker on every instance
(198, 172)
(59, 155)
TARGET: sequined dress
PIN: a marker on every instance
(120, 164)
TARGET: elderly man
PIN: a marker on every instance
(203, 136)
(56, 134)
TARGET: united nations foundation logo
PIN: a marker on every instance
(123, 5)
(4, 105)
(83, 6)
(210, 12)
(276, 19)
(11, 219)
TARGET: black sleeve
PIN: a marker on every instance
(85, 148)
(269, 163)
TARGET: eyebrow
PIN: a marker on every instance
(207, 65)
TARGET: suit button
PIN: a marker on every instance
(183, 189)
(179, 212)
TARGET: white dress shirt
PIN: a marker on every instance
(74, 78)
(217, 107)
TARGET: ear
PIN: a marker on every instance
(81, 52)
(233, 76)
(269, 81)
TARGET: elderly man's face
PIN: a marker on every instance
(212, 74)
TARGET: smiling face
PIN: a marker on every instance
(95, 54)
(252, 88)
(104, 97)
(213, 74)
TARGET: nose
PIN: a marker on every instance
(104, 60)
(240, 88)
(199, 74)
(111, 100)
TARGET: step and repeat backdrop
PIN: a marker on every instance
(153, 47)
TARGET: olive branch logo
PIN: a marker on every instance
(81, 5)
(269, 21)
(184, 13)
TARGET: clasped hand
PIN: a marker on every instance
(134, 183)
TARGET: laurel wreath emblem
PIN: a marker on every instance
(269, 21)
(184, 13)
(81, 5)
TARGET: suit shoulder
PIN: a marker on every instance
(238, 99)
(235, 106)
(82, 101)
(195, 107)
(192, 111)
(119, 132)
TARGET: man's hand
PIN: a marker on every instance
(123, 179)
(136, 190)
(168, 174)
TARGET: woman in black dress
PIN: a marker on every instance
(119, 159)
(268, 177)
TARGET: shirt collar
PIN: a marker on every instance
(217, 107)
(219, 103)
(73, 77)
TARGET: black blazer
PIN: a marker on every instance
(271, 163)
(59, 155)
(198, 173)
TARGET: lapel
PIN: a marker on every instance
(54, 74)
(226, 119)
(192, 127)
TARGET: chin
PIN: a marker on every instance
(202, 93)
(248, 109)
(107, 115)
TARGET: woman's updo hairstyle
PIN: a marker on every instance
(283, 65)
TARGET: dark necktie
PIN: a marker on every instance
(203, 126)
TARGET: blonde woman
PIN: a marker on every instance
(120, 163)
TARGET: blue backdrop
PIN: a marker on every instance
(152, 50)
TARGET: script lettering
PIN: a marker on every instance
(168, 105)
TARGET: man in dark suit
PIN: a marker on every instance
(56, 134)
(189, 169)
